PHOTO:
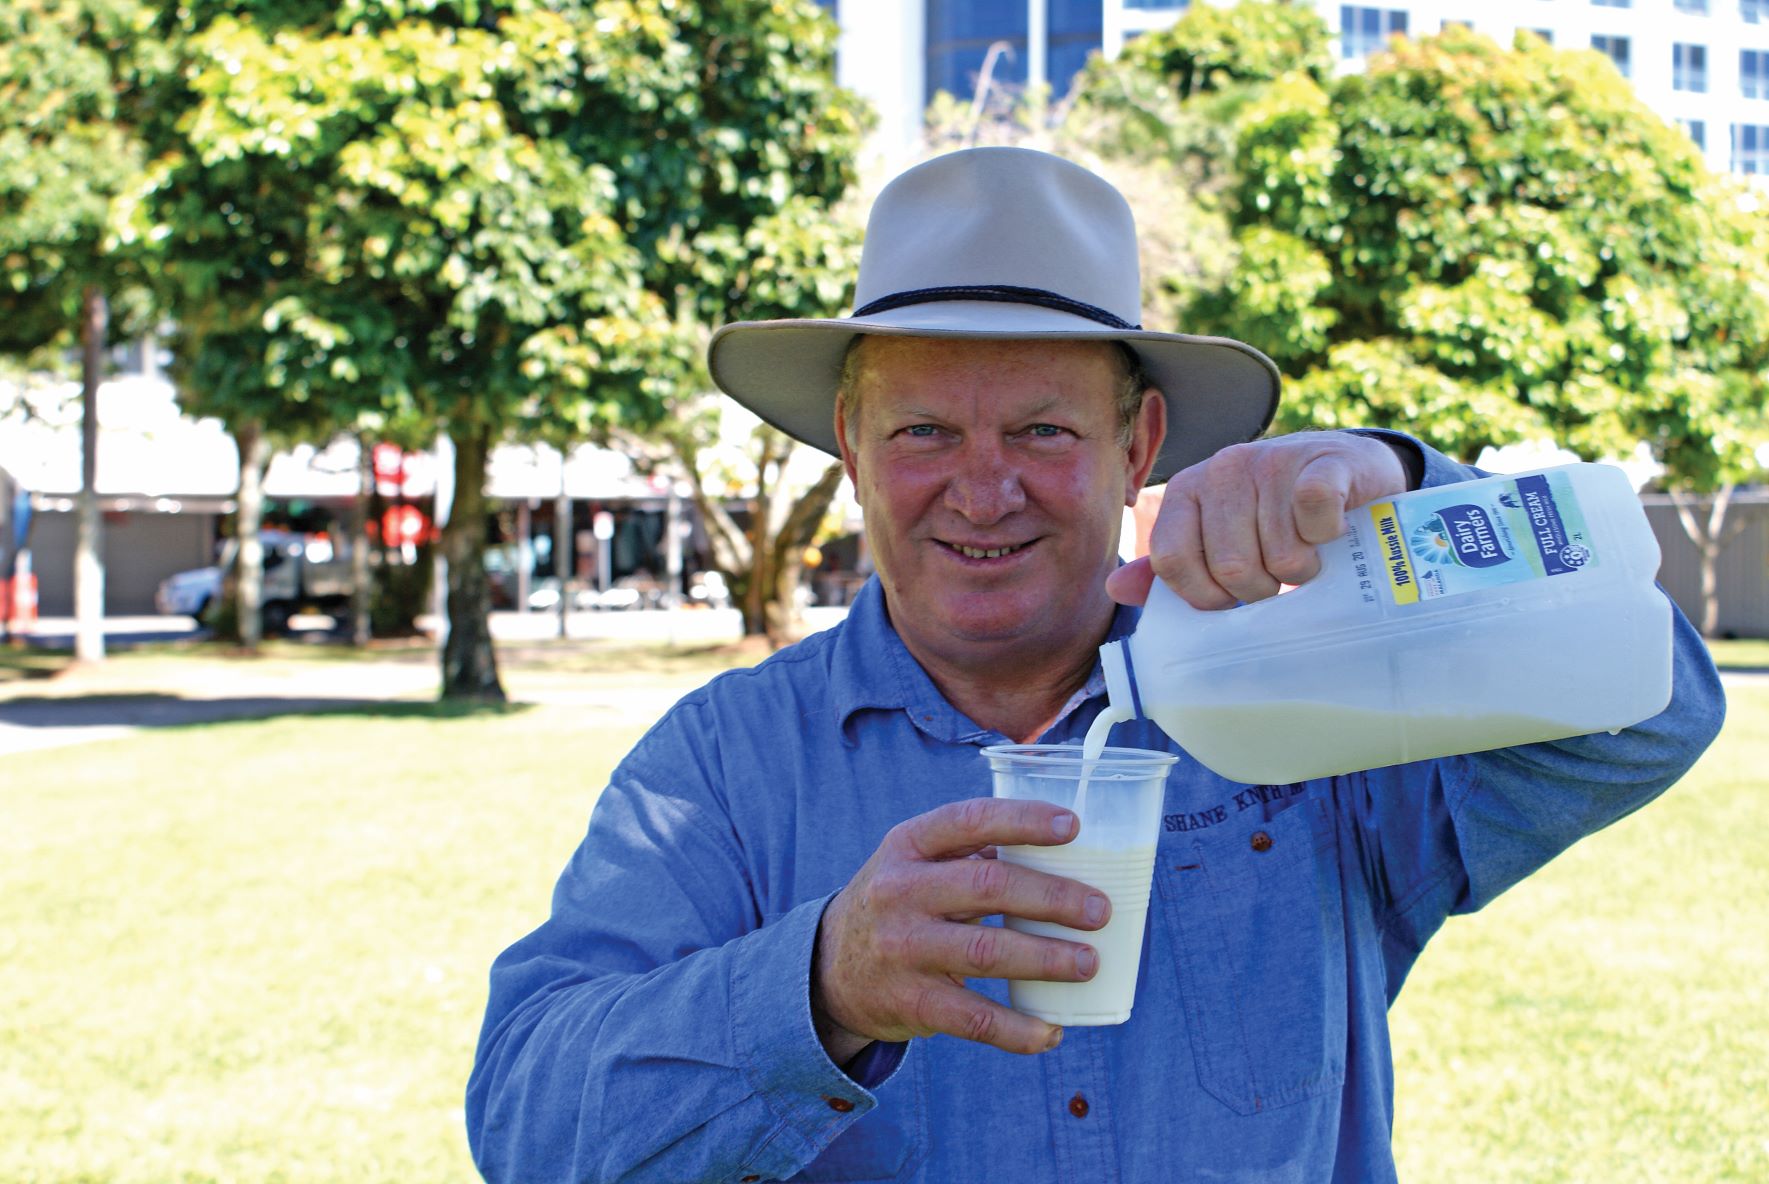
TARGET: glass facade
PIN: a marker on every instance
(1698, 131)
(1753, 73)
(960, 32)
(1615, 47)
(1363, 31)
(1689, 67)
(1073, 30)
(1750, 148)
(1698, 7)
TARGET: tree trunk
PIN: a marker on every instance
(246, 595)
(361, 574)
(469, 663)
(563, 557)
(89, 523)
(1710, 538)
(785, 621)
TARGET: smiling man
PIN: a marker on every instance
(777, 953)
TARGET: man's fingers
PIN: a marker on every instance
(1233, 551)
(994, 951)
(1176, 552)
(1130, 583)
(1319, 497)
(939, 1006)
(958, 829)
(964, 889)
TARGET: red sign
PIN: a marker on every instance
(405, 524)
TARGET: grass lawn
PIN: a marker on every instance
(255, 952)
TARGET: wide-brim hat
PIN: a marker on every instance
(999, 243)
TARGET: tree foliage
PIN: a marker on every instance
(493, 218)
(68, 154)
(1486, 244)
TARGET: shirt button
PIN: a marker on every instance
(1078, 1105)
(839, 1105)
(1261, 841)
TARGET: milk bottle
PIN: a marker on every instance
(1479, 615)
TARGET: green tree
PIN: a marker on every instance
(1486, 245)
(739, 215)
(496, 213)
(68, 155)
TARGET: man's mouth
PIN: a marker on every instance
(987, 552)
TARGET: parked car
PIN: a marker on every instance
(301, 574)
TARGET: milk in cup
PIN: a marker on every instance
(1484, 614)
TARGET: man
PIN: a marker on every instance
(765, 961)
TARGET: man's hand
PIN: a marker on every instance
(1237, 525)
(894, 946)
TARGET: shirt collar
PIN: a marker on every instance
(871, 669)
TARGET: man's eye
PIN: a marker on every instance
(921, 430)
(1045, 431)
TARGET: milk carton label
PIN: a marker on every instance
(1438, 543)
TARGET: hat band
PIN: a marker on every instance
(999, 294)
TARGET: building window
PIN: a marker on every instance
(959, 35)
(1613, 3)
(1753, 73)
(1363, 31)
(1698, 132)
(1752, 10)
(1750, 148)
(1454, 24)
(1163, 5)
(1615, 47)
(1073, 29)
(1698, 7)
(1547, 35)
(1689, 67)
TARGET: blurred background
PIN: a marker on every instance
(363, 494)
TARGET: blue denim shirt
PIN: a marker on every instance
(657, 1027)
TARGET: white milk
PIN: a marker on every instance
(1124, 876)
(1338, 739)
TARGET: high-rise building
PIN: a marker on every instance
(1701, 64)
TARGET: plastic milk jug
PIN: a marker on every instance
(1478, 615)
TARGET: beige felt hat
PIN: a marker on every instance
(999, 243)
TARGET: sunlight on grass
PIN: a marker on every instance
(256, 953)
(1603, 1021)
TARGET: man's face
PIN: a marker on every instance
(993, 479)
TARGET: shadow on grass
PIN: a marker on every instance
(173, 711)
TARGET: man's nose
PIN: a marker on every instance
(986, 487)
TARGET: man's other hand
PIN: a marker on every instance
(1236, 526)
(895, 945)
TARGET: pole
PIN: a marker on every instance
(89, 523)
(562, 556)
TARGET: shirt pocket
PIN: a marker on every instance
(1257, 924)
(888, 1142)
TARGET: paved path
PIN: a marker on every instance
(113, 699)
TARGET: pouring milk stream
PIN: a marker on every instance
(1484, 614)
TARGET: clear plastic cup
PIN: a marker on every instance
(1114, 851)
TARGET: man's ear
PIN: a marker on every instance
(845, 447)
(1146, 437)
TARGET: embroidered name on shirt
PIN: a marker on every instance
(1195, 821)
(1259, 795)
